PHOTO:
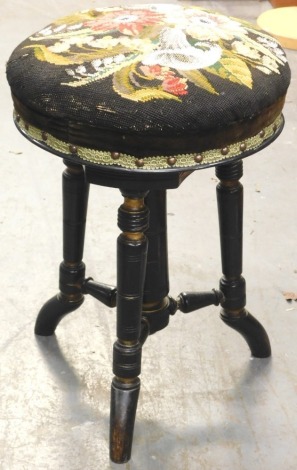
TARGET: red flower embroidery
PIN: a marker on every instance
(129, 22)
(170, 82)
(152, 70)
(175, 85)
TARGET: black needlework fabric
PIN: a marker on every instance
(130, 69)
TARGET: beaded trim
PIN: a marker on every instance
(123, 160)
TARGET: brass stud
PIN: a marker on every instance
(262, 134)
(115, 155)
(171, 161)
(18, 118)
(139, 162)
(225, 151)
(198, 158)
(242, 146)
(44, 135)
(73, 148)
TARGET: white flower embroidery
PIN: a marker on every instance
(270, 64)
(140, 45)
(213, 27)
(75, 26)
(64, 44)
(245, 50)
(46, 31)
(60, 28)
(274, 47)
(176, 52)
(97, 63)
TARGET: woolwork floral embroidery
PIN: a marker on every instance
(156, 51)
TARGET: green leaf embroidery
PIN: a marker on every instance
(123, 86)
(233, 69)
(198, 79)
(42, 53)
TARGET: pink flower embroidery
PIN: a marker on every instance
(170, 82)
(175, 85)
(130, 22)
(154, 71)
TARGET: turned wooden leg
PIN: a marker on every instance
(131, 263)
(232, 284)
(72, 269)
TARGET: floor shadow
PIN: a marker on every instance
(154, 438)
(155, 443)
(65, 376)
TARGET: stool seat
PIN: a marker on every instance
(149, 87)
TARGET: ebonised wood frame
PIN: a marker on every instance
(141, 295)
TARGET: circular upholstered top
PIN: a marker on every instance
(149, 86)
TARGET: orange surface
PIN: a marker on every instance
(283, 3)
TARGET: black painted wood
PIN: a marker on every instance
(103, 292)
(136, 180)
(75, 202)
(124, 398)
(156, 285)
(72, 269)
(52, 312)
(156, 303)
(191, 301)
(142, 292)
(251, 330)
(232, 284)
(133, 219)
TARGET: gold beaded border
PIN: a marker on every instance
(148, 163)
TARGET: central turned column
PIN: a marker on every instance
(133, 218)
